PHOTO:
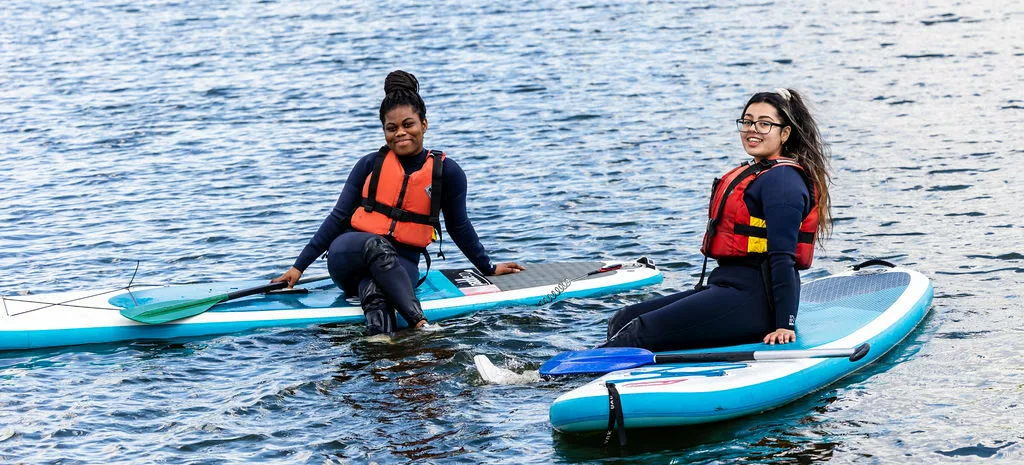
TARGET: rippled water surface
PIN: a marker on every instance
(206, 140)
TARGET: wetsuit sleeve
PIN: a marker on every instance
(785, 201)
(456, 219)
(337, 221)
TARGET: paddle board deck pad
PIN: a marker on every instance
(876, 306)
(84, 317)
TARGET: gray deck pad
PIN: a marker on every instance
(545, 274)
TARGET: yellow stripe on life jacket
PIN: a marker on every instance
(757, 244)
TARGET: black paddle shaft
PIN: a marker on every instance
(269, 287)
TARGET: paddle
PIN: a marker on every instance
(620, 358)
(162, 312)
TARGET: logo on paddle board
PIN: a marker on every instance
(669, 374)
(470, 281)
(660, 382)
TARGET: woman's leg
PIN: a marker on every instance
(622, 317)
(345, 260)
(380, 316)
(730, 311)
(348, 270)
(393, 277)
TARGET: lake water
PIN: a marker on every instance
(205, 140)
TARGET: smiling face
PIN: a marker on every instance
(767, 145)
(403, 130)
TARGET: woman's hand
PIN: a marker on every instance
(506, 268)
(291, 276)
(781, 336)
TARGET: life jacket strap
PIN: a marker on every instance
(398, 214)
(754, 231)
(378, 163)
(436, 191)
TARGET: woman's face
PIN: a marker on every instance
(403, 130)
(759, 143)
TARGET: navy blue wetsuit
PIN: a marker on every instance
(345, 245)
(734, 308)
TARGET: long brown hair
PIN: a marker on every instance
(804, 145)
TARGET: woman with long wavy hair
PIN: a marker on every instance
(764, 218)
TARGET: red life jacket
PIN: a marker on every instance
(405, 207)
(733, 233)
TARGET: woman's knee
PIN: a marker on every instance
(344, 260)
(380, 252)
(618, 320)
(631, 334)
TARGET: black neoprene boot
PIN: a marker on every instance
(380, 317)
(382, 260)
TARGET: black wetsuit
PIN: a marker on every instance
(734, 307)
(346, 245)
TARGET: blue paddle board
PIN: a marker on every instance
(83, 317)
(875, 306)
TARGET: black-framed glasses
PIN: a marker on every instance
(760, 126)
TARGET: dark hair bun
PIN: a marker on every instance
(402, 88)
(401, 81)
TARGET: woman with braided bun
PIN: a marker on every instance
(764, 218)
(389, 212)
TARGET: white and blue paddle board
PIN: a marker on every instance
(875, 306)
(84, 317)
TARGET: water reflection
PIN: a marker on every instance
(588, 131)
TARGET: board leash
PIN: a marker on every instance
(566, 282)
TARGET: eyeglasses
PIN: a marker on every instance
(760, 127)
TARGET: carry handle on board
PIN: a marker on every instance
(171, 310)
(611, 359)
(873, 262)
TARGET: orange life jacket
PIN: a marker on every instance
(733, 233)
(406, 207)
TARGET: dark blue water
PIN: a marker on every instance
(205, 140)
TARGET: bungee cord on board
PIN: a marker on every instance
(566, 282)
(68, 303)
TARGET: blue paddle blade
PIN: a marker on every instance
(596, 361)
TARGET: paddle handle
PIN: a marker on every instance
(269, 287)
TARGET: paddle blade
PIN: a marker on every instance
(162, 312)
(596, 361)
